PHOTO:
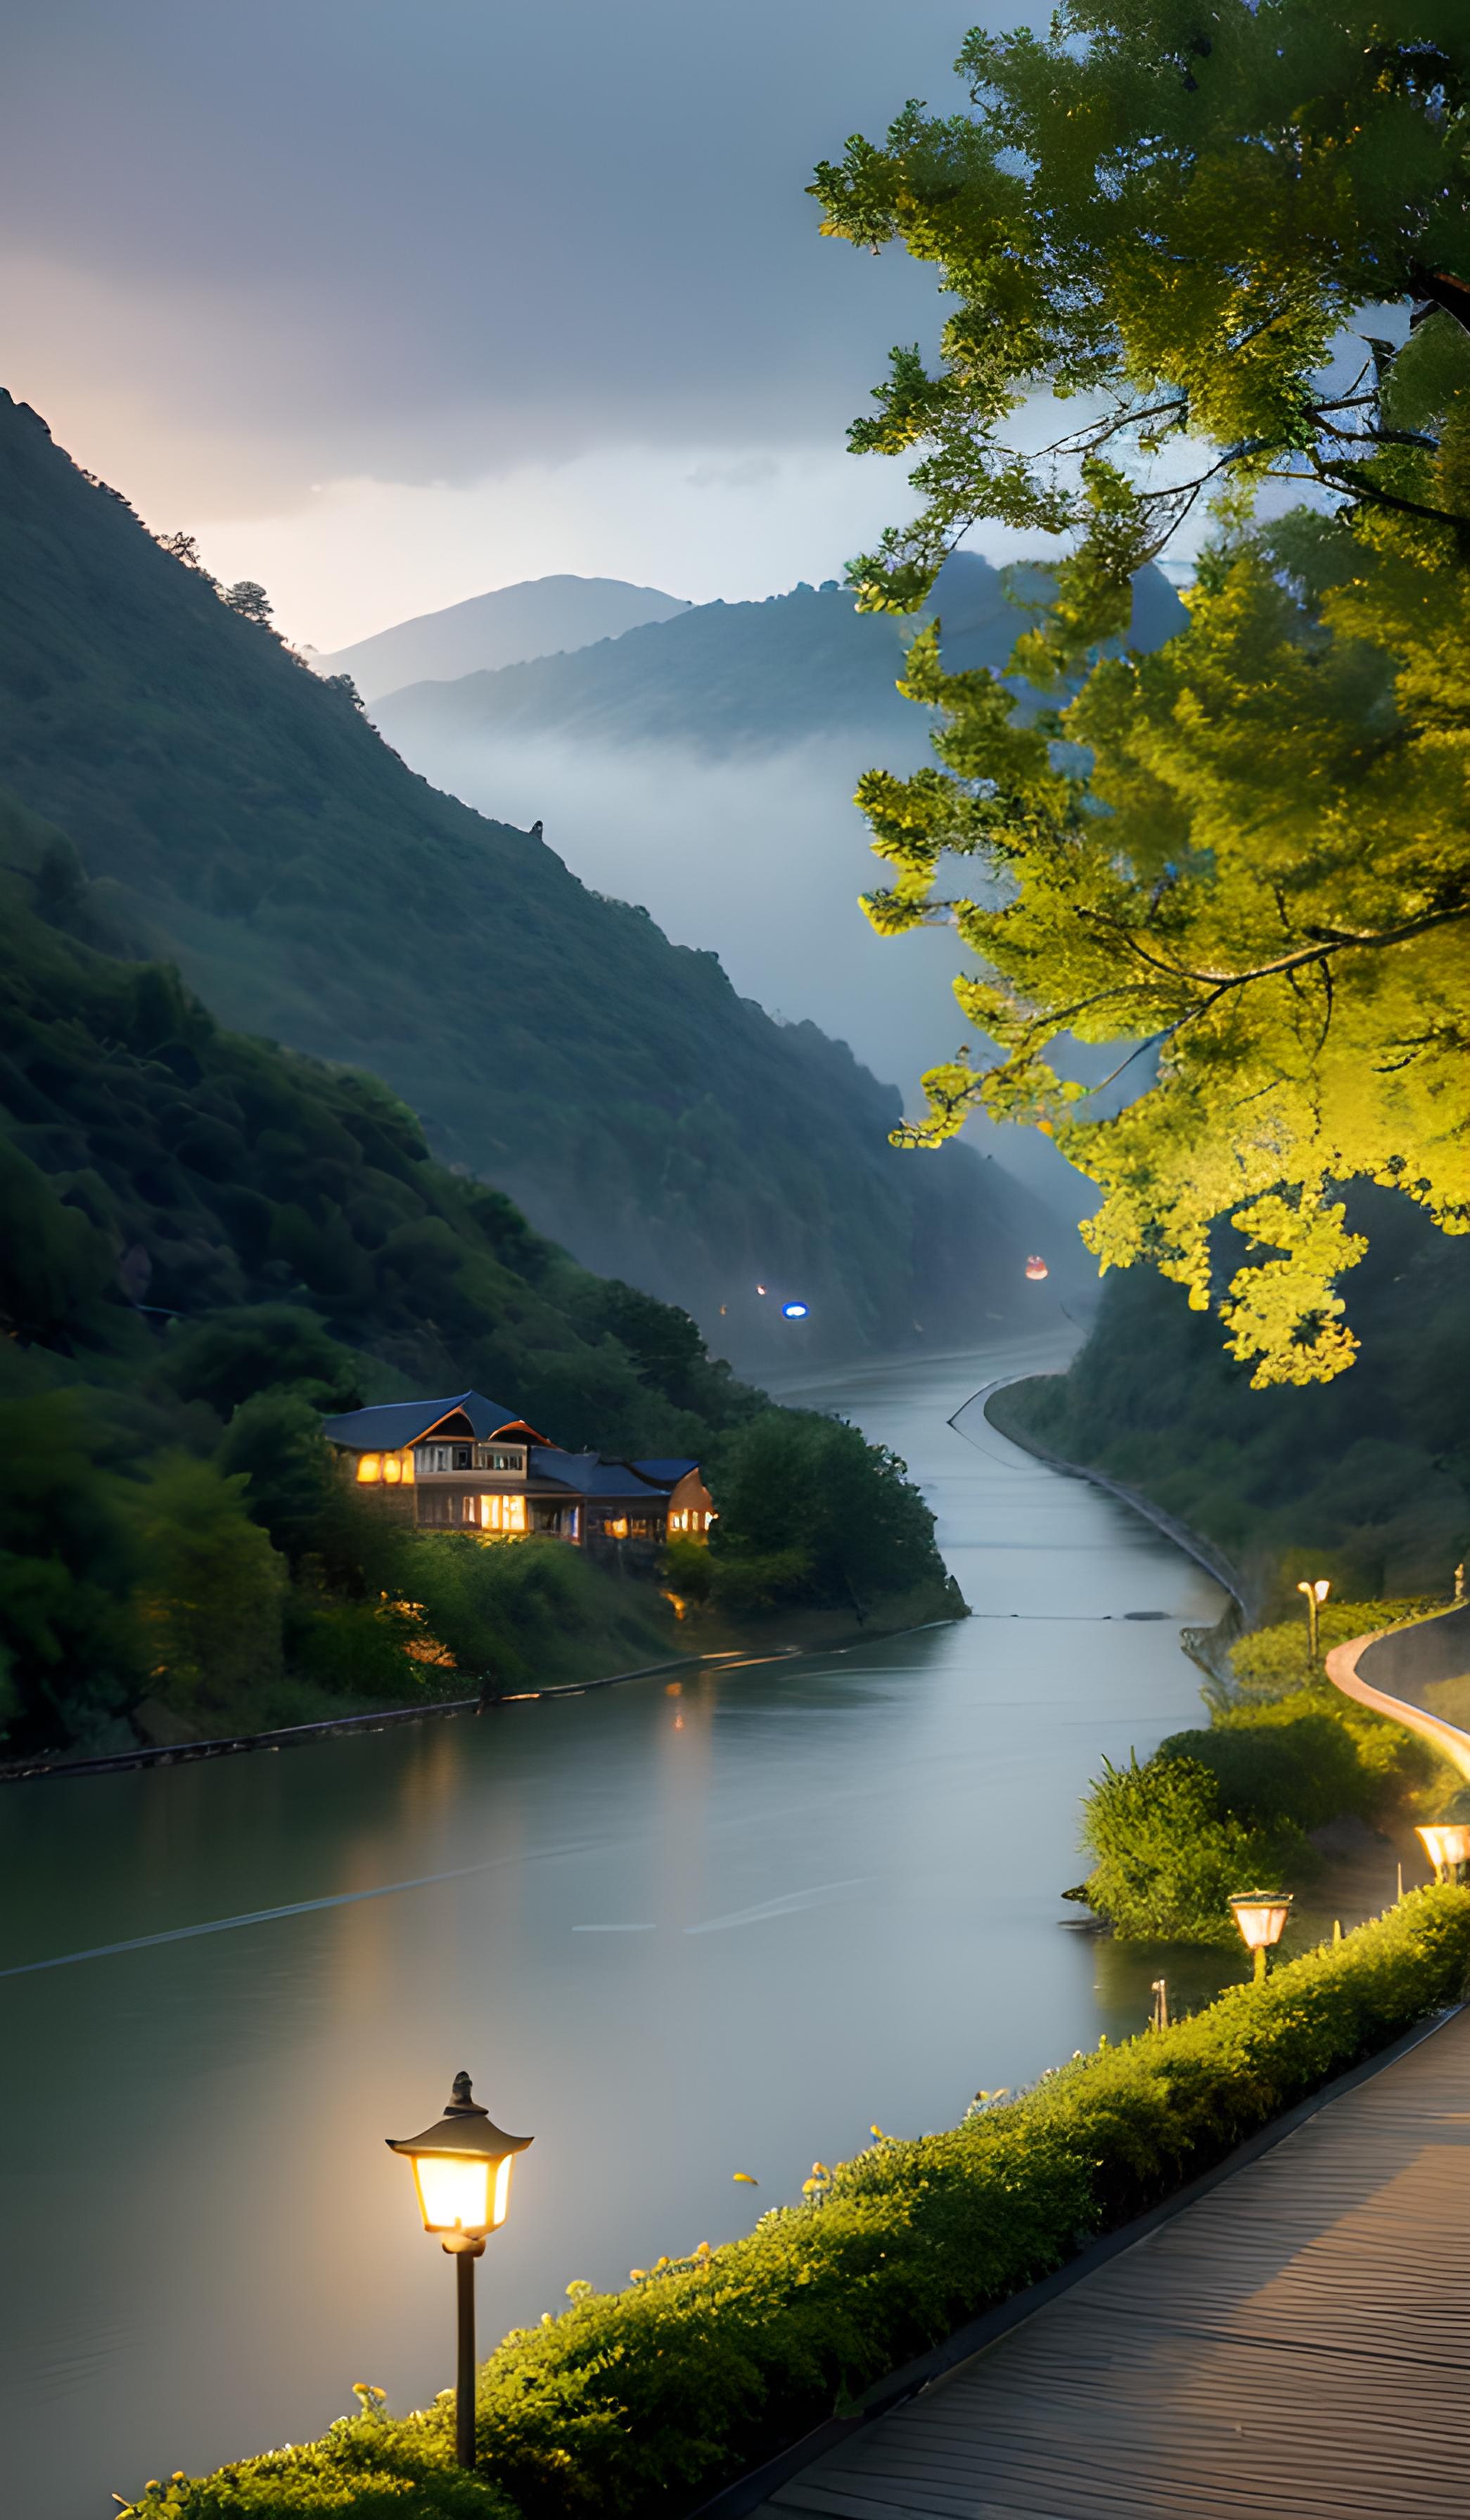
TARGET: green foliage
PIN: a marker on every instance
(1175, 226)
(297, 1250)
(808, 1509)
(1366, 1481)
(688, 1569)
(640, 2404)
(71, 1654)
(1273, 1661)
(1214, 1811)
(209, 1593)
(509, 1610)
(1246, 852)
(367, 2466)
(1168, 1853)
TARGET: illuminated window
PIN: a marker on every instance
(469, 1509)
(502, 1512)
(407, 1460)
(392, 1469)
(369, 1467)
(616, 1530)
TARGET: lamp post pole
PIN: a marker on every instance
(462, 2171)
(1317, 1594)
(464, 2370)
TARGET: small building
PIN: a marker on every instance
(690, 1506)
(466, 1463)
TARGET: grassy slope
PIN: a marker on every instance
(312, 888)
(1365, 1479)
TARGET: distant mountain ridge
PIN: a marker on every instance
(541, 617)
(253, 829)
(722, 678)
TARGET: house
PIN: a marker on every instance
(466, 1463)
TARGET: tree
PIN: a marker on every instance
(210, 1598)
(249, 600)
(807, 1508)
(183, 547)
(1248, 855)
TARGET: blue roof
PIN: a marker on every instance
(397, 1423)
(664, 1474)
(587, 1474)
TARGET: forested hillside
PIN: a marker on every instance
(726, 678)
(1365, 1479)
(260, 834)
(207, 1242)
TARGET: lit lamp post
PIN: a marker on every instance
(1317, 1594)
(1262, 1917)
(1447, 1846)
(462, 2171)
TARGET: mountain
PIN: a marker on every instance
(705, 766)
(539, 617)
(250, 826)
(724, 678)
(159, 1170)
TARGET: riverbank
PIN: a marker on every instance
(638, 2401)
(802, 1631)
(614, 1908)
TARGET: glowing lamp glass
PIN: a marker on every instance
(1445, 1843)
(1262, 1919)
(462, 2168)
(460, 2192)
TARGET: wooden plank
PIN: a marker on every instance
(1291, 2347)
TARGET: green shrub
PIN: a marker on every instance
(688, 1569)
(1169, 1852)
(1214, 1810)
(638, 2404)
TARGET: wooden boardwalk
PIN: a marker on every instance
(1292, 2346)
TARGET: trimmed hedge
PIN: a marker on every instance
(642, 2402)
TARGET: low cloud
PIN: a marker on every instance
(759, 860)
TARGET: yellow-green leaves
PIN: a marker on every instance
(1248, 865)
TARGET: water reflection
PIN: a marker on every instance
(676, 1935)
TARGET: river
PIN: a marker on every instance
(673, 1934)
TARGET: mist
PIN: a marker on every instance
(759, 860)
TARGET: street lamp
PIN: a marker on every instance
(462, 2171)
(1262, 1917)
(1446, 1844)
(1317, 1594)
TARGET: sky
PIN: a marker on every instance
(391, 301)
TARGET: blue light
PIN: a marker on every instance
(795, 1312)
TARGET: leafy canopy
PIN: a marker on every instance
(1245, 854)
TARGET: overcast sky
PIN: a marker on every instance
(392, 301)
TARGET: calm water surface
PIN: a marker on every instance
(672, 1936)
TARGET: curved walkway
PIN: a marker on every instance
(1391, 1669)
